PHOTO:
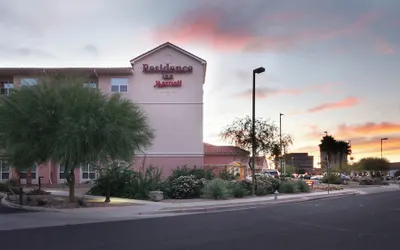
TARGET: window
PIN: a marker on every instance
(88, 171)
(5, 87)
(90, 85)
(119, 84)
(62, 172)
(23, 173)
(4, 170)
(28, 82)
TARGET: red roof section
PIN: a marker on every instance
(210, 149)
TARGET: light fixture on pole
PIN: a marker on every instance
(280, 141)
(383, 139)
(253, 127)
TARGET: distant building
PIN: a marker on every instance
(234, 158)
(302, 161)
(395, 166)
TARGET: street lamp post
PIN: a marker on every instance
(253, 127)
(383, 139)
(280, 141)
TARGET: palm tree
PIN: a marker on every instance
(344, 149)
(329, 147)
(61, 121)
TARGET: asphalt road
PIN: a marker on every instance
(355, 223)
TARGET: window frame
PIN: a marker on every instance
(34, 171)
(119, 84)
(22, 81)
(5, 172)
(6, 86)
(89, 170)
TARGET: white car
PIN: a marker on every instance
(317, 177)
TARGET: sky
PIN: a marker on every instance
(331, 65)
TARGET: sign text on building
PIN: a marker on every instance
(167, 72)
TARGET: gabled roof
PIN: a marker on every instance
(168, 44)
(210, 149)
(164, 45)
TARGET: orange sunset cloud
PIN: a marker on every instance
(348, 102)
(219, 27)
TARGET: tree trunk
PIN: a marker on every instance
(108, 191)
(70, 177)
(340, 161)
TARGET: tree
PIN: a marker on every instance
(344, 149)
(374, 164)
(333, 148)
(61, 121)
(239, 133)
(276, 151)
(329, 147)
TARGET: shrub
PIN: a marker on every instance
(184, 187)
(237, 190)
(217, 189)
(288, 187)
(145, 180)
(246, 185)
(227, 175)
(332, 179)
(302, 186)
(366, 181)
(265, 185)
(127, 183)
(37, 192)
(3, 187)
(198, 173)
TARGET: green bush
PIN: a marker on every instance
(145, 180)
(216, 189)
(246, 185)
(265, 185)
(184, 187)
(3, 187)
(198, 173)
(227, 175)
(288, 187)
(302, 186)
(127, 183)
(237, 190)
(331, 179)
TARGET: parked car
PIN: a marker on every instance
(317, 177)
(272, 172)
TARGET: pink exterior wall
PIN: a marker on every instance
(168, 163)
(175, 113)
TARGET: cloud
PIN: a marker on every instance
(23, 52)
(263, 27)
(262, 93)
(370, 128)
(384, 47)
(348, 102)
(266, 92)
(91, 50)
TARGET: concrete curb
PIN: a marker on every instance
(6, 203)
(243, 206)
